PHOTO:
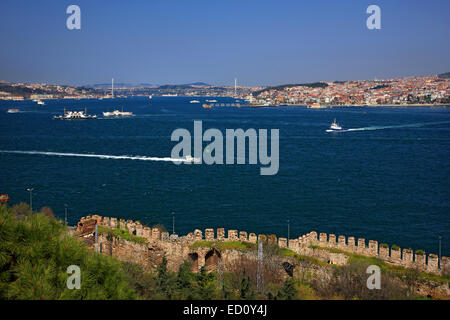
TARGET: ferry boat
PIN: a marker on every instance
(13, 111)
(117, 113)
(40, 102)
(335, 127)
(211, 100)
(75, 115)
(194, 101)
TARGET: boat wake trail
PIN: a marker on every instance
(413, 125)
(101, 156)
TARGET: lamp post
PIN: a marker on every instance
(30, 190)
(65, 213)
(288, 233)
(173, 222)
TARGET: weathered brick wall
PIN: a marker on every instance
(178, 246)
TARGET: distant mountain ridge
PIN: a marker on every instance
(444, 75)
(124, 85)
(121, 85)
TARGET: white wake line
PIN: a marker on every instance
(413, 125)
(98, 156)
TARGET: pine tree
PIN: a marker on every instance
(288, 291)
(245, 289)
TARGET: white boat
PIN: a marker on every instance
(211, 100)
(194, 101)
(117, 113)
(13, 111)
(150, 96)
(191, 159)
(41, 103)
(75, 115)
(335, 127)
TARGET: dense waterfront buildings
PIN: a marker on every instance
(432, 89)
(403, 91)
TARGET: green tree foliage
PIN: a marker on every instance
(288, 291)
(246, 291)
(35, 252)
(166, 284)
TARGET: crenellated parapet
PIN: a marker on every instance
(394, 255)
(301, 245)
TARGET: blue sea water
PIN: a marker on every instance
(387, 181)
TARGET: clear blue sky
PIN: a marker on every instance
(259, 42)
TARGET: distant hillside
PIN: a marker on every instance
(284, 86)
(198, 84)
(445, 75)
(121, 85)
(183, 86)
